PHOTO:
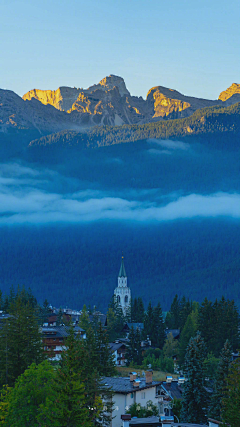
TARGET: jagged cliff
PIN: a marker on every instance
(110, 103)
(234, 89)
(19, 115)
(107, 103)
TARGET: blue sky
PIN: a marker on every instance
(189, 45)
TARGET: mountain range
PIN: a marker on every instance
(107, 103)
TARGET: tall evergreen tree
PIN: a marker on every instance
(186, 308)
(170, 347)
(140, 310)
(134, 351)
(84, 321)
(134, 310)
(194, 403)
(188, 331)
(219, 388)
(71, 406)
(173, 320)
(104, 360)
(148, 322)
(20, 341)
(231, 401)
(158, 333)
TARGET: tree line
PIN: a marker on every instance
(38, 392)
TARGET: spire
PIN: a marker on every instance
(122, 272)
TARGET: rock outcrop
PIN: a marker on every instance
(110, 103)
(19, 115)
(233, 90)
(107, 103)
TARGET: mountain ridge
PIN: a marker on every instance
(110, 103)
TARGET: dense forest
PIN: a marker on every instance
(212, 121)
(75, 264)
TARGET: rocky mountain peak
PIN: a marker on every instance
(109, 82)
(232, 90)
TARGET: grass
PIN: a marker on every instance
(157, 375)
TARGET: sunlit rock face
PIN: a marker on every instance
(108, 83)
(231, 95)
(110, 103)
(169, 103)
(17, 114)
(107, 103)
(62, 98)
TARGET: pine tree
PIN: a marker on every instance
(219, 388)
(140, 310)
(104, 361)
(60, 317)
(194, 406)
(148, 322)
(84, 321)
(231, 401)
(92, 370)
(134, 310)
(185, 310)
(134, 351)
(170, 347)
(20, 342)
(188, 331)
(130, 353)
(173, 317)
(158, 333)
(71, 406)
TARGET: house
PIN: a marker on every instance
(54, 339)
(98, 317)
(141, 422)
(119, 348)
(214, 423)
(131, 390)
(175, 333)
(126, 328)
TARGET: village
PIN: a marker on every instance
(135, 386)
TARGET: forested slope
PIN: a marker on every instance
(212, 121)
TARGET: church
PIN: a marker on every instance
(122, 293)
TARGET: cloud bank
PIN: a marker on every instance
(25, 198)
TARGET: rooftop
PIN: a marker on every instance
(124, 386)
(60, 331)
(145, 422)
(173, 389)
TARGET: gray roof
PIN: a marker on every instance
(124, 386)
(150, 421)
(59, 331)
(99, 317)
(115, 346)
(173, 389)
(135, 326)
(122, 272)
(186, 425)
(174, 332)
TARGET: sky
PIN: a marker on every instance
(191, 46)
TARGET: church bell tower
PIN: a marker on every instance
(123, 293)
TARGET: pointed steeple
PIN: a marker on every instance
(122, 272)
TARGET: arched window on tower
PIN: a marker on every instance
(118, 299)
(126, 299)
